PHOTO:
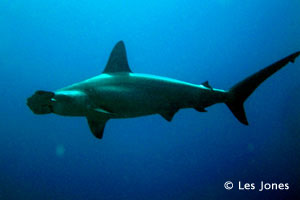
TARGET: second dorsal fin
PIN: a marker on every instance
(206, 84)
(117, 61)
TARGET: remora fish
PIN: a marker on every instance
(119, 93)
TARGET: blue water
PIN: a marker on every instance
(51, 44)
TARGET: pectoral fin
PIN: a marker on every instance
(97, 127)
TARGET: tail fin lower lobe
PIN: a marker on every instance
(242, 90)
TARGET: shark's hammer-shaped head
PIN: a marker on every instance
(41, 102)
(63, 102)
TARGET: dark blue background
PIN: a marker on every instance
(50, 44)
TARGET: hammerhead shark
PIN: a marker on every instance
(119, 93)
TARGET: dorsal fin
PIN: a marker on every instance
(206, 84)
(117, 61)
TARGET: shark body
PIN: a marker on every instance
(119, 93)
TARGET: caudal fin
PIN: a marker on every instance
(238, 94)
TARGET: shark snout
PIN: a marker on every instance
(41, 102)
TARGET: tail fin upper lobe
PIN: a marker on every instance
(241, 91)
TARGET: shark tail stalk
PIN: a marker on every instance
(238, 94)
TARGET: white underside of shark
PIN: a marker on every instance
(119, 93)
